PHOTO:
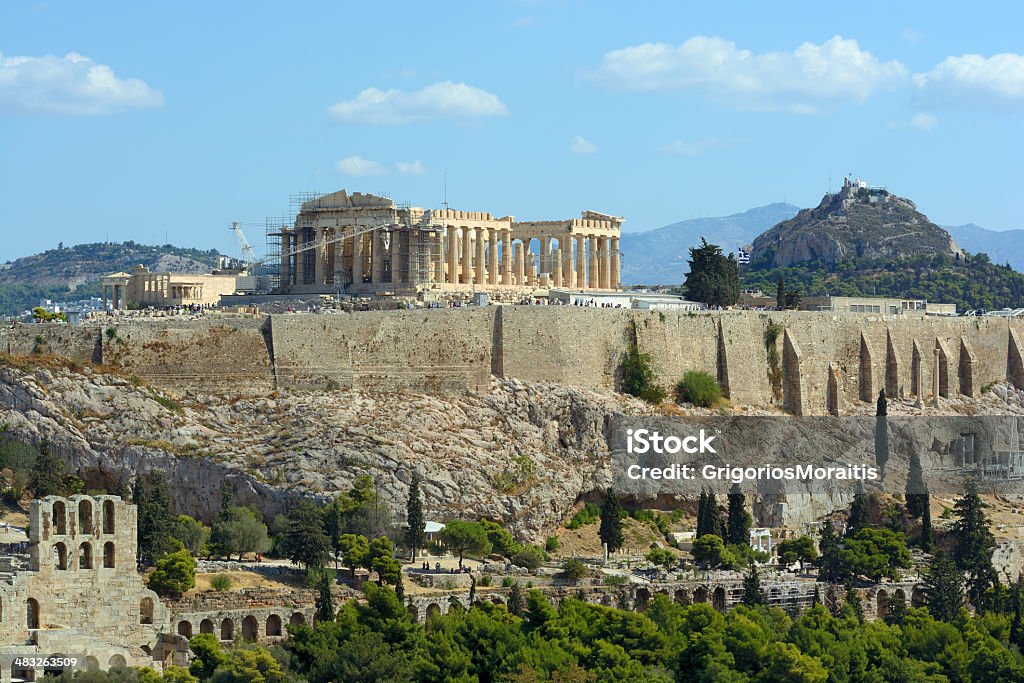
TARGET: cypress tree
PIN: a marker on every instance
(916, 490)
(780, 294)
(324, 600)
(859, 514)
(972, 552)
(831, 565)
(739, 520)
(611, 522)
(47, 475)
(702, 513)
(1017, 610)
(415, 522)
(926, 527)
(155, 528)
(852, 603)
(753, 595)
(943, 588)
(516, 602)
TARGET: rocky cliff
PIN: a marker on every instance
(857, 222)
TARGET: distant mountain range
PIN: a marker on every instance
(660, 256)
(1002, 247)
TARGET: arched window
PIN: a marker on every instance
(60, 518)
(116, 660)
(297, 619)
(108, 516)
(85, 556)
(249, 628)
(32, 613)
(108, 555)
(227, 630)
(146, 611)
(206, 626)
(85, 516)
(273, 625)
(185, 628)
(60, 556)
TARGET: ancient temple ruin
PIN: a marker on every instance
(364, 243)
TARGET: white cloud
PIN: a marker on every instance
(411, 167)
(442, 100)
(925, 122)
(973, 79)
(358, 166)
(798, 80)
(581, 145)
(69, 85)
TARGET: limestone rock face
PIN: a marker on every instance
(858, 222)
(522, 454)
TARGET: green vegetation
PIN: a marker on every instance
(699, 388)
(174, 574)
(972, 283)
(713, 278)
(415, 523)
(739, 519)
(551, 544)
(305, 542)
(156, 523)
(220, 582)
(237, 531)
(465, 538)
(194, 535)
(772, 333)
(638, 376)
(573, 570)
(611, 522)
(709, 517)
(47, 476)
(588, 515)
(800, 549)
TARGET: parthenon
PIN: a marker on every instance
(361, 242)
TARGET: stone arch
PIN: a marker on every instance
(59, 514)
(85, 516)
(917, 597)
(864, 376)
(206, 626)
(274, 625)
(32, 613)
(146, 611)
(892, 368)
(642, 597)
(718, 599)
(297, 619)
(701, 594)
(455, 605)
(227, 629)
(968, 362)
(85, 556)
(900, 597)
(108, 555)
(60, 556)
(882, 603)
(92, 663)
(682, 596)
(51, 671)
(185, 628)
(116, 660)
(413, 612)
(433, 610)
(108, 516)
(832, 394)
(250, 629)
(23, 674)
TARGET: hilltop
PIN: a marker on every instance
(76, 271)
(660, 256)
(857, 222)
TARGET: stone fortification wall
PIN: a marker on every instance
(420, 350)
(80, 343)
(821, 363)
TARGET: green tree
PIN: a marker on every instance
(753, 595)
(916, 490)
(415, 523)
(381, 559)
(334, 525)
(174, 574)
(859, 512)
(47, 477)
(462, 538)
(800, 549)
(739, 520)
(943, 588)
(240, 531)
(699, 388)
(516, 602)
(324, 599)
(713, 278)
(662, 557)
(874, 553)
(973, 544)
(305, 542)
(780, 293)
(926, 528)
(208, 655)
(831, 563)
(637, 375)
(193, 534)
(156, 521)
(709, 517)
(355, 548)
(249, 663)
(611, 522)
(709, 550)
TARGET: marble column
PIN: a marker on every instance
(467, 256)
(606, 263)
(339, 256)
(320, 271)
(520, 257)
(357, 258)
(544, 265)
(492, 256)
(616, 263)
(565, 245)
(592, 257)
(481, 258)
(557, 261)
(300, 257)
(452, 276)
(581, 262)
(376, 258)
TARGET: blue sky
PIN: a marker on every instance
(163, 121)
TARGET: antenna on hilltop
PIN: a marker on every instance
(444, 196)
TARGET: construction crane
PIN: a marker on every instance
(248, 253)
